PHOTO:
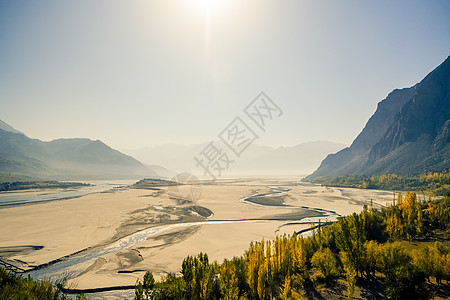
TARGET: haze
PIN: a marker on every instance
(143, 73)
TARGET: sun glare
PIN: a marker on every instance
(208, 6)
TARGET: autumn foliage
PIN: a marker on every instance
(356, 248)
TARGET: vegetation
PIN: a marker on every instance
(358, 248)
(436, 183)
(27, 185)
(15, 287)
(151, 183)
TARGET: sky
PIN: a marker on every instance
(143, 73)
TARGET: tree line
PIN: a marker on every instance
(364, 247)
(356, 248)
(433, 182)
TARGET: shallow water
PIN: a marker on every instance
(71, 267)
(30, 197)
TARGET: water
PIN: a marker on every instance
(27, 197)
(73, 266)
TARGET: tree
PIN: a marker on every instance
(350, 276)
(372, 253)
(262, 282)
(399, 199)
(408, 209)
(199, 276)
(391, 256)
(228, 281)
(148, 284)
(419, 220)
(171, 287)
(438, 262)
(288, 293)
(240, 264)
(139, 291)
(325, 261)
(407, 282)
(15, 287)
(350, 238)
(394, 226)
(254, 257)
(421, 259)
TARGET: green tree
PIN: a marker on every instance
(199, 276)
(406, 282)
(15, 287)
(171, 287)
(325, 261)
(148, 284)
(139, 291)
(350, 238)
(81, 296)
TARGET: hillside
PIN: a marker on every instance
(64, 159)
(409, 133)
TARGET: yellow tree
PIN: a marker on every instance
(419, 220)
(372, 251)
(262, 281)
(409, 214)
(299, 253)
(228, 281)
(253, 260)
(394, 226)
(288, 293)
(350, 276)
(399, 199)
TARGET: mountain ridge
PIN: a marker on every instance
(408, 133)
(65, 159)
(256, 159)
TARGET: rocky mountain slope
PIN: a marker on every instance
(408, 133)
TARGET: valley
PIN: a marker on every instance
(110, 239)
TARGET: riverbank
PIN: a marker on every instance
(97, 222)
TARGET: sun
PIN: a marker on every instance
(209, 6)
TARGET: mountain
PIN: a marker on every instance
(175, 157)
(64, 159)
(409, 133)
(256, 160)
(295, 160)
(161, 171)
(7, 127)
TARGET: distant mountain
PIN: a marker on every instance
(7, 127)
(408, 133)
(64, 159)
(295, 160)
(175, 157)
(162, 172)
(256, 160)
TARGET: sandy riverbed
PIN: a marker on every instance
(97, 221)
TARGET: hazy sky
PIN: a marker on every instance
(142, 73)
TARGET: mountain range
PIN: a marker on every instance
(409, 133)
(255, 160)
(24, 158)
